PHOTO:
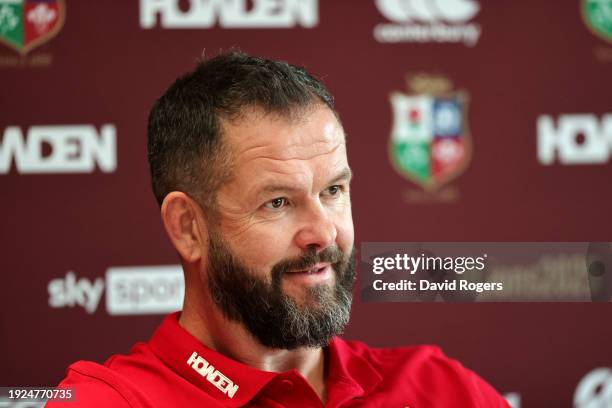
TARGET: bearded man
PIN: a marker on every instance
(249, 166)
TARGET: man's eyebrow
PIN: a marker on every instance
(345, 175)
(274, 188)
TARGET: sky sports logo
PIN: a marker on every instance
(229, 13)
(134, 290)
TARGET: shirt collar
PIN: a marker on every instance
(175, 346)
(349, 375)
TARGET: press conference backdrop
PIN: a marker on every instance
(520, 95)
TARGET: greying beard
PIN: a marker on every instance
(272, 317)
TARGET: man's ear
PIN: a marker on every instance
(185, 225)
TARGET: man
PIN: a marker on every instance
(248, 163)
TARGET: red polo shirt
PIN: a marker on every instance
(175, 370)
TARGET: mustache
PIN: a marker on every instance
(310, 258)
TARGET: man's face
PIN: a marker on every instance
(281, 253)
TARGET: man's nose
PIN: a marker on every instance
(317, 228)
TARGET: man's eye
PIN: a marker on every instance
(276, 203)
(334, 190)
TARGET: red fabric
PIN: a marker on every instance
(160, 374)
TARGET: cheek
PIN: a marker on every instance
(346, 233)
(262, 247)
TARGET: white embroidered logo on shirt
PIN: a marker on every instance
(214, 376)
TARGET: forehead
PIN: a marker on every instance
(272, 143)
(309, 131)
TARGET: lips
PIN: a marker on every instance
(318, 268)
(318, 274)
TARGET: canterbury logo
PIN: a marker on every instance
(212, 375)
(454, 11)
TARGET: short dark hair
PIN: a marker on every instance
(184, 132)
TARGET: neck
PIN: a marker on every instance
(204, 321)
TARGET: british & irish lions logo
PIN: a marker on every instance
(597, 15)
(430, 141)
(26, 24)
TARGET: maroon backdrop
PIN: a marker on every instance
(102, 67)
